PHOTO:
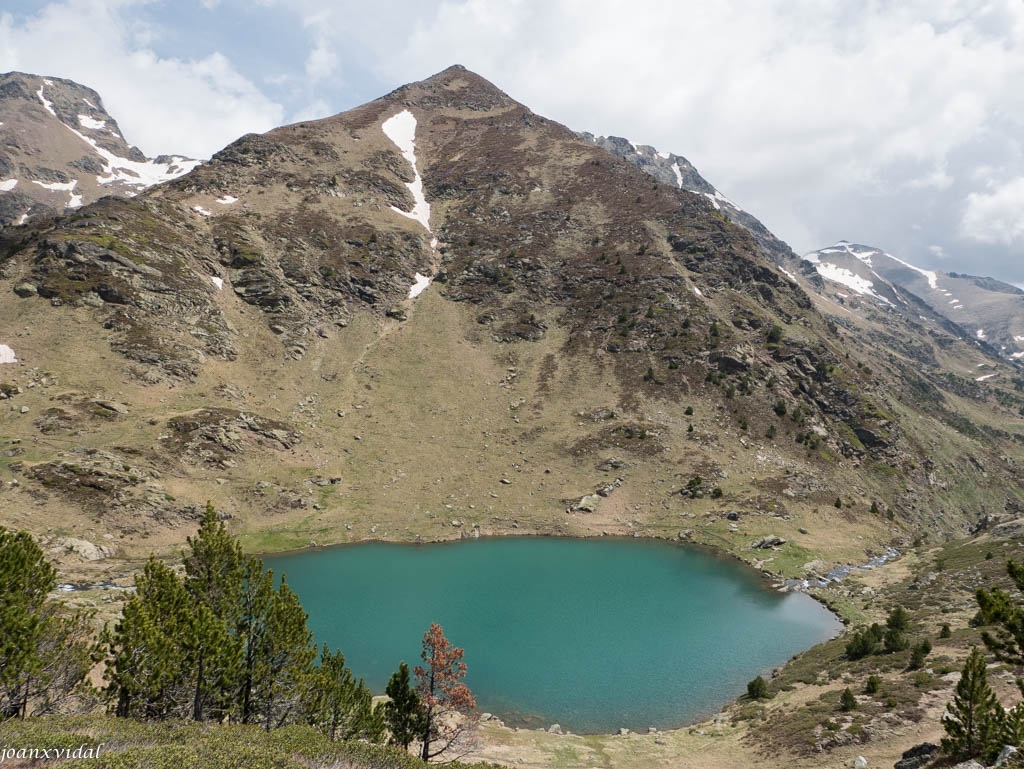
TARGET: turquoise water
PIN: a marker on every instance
(592, 634)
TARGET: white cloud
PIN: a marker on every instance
(997, 216)
(323, 60)
(163, 105)
(313, 111)
(800, 111)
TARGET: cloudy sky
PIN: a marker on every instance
(896, 123)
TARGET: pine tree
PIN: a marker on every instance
(895, 639)
(847, 700)
(284, 659)
(971, 718)
(27, 580)
(403, 711)
(448, 703)
(46, 650)
(1007, 729)
(338, 705)
(996, 607)
(918, 654)
(256, 598)
(214, 575)
(146, 674)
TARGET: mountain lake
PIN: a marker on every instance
(592, 634)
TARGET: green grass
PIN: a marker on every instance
(128, 744)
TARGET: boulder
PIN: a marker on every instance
(860, 763)
(83, 548)
(587, 504)
(554, 729)
(768, 542)
(917, 756)
(119, 408)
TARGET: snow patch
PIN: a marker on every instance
(713, 200)
(724, 199)
(201, 210)
(850, 280)
(87, 122)
(401, 129)
(679, 175)
(1018, 338)
(90, 103)
(66, 186)
(7, 354)
(983, 378)
(21, 220)
(697, 291)
(6, 185)
(74, 200)
(664, 155)
(417, 288)
(788, 274)
(930, 275)
(47, 104)
(227, 200)
(218, 282)
(980, 333)
(1017, 355)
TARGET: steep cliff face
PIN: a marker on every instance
(440, 314)
(60, 150)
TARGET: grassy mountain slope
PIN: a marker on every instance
(578, 310)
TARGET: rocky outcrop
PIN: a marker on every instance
(215, 437)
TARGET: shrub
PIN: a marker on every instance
(757, 689)
(918, 654)
(873, 685)
(847, 701)
(864, 642)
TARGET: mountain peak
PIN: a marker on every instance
(455, 88)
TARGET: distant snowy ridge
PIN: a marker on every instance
(134, 173)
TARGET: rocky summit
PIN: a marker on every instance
(440, 313)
